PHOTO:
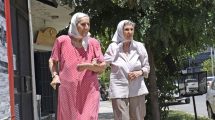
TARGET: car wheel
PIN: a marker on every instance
(210, 112)
(187, 100)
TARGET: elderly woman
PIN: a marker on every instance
(79, 58)
(128, 60)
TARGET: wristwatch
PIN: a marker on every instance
(54, 74)
(142, 72)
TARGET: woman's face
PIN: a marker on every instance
(83, 26)
(128, 32)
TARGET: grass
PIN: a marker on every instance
(178, 115)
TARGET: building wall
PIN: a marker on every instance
(4, 80)
(47, 16)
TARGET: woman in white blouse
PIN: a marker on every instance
(128, 60)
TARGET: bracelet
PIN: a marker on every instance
(54, 76)
(142, 72)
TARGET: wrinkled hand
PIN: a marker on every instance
(133, 75)
(94, 61)
(83, 66)
(55, 81)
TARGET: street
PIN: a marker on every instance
(201, 108)
(106, 112)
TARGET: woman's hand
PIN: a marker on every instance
(134, 74)
(55, 81)
(83, 66)
(95, 67)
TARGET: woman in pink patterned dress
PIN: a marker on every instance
(74, 63)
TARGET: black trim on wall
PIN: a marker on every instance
(21, 50)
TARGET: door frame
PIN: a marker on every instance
(35, 108)
(10, 58)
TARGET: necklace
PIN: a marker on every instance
(80, 54)
(126, 48)
(76, 42)
(78, 57)
(76, 45)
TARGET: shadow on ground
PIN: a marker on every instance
(105, 116)
(175, 103)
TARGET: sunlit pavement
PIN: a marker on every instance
(105, 110)
(201, 108)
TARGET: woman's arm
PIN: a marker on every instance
(135, 74)
(53, 65)
(144, 60)
(97, 64)
(95, 67)
(144, 71)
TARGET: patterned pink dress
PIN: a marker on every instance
(78, 95)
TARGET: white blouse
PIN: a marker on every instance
(121, 64)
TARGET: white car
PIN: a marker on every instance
(210, 100)
(189, 86)
(209, 80)
(177, 97)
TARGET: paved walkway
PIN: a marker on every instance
(105, 111)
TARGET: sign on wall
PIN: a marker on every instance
(4, 80)
(192, 84)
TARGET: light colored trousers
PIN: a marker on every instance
(132, 108)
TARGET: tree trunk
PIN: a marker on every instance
(153, 91)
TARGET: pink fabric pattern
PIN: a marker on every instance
(78, 95)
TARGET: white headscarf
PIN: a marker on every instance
(73, 28)
(118, 35)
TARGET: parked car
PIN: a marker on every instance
(209, 80)
(210, 100)
(202, 85)
(188, 86)
(103, 93)
(177, 98)
(191, 85)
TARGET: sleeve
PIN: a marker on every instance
(109, 54)
(144, 60)
(56, 51)
(98, 52)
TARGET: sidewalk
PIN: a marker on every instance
(105, 110)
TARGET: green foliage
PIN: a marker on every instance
(104, 77)
(178, 115)
(207, 66)
(171, 29)
(165, 79)
(165, 25)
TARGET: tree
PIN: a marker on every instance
(170, 30)
(207, 66)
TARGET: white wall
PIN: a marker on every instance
(40, 23)
(45, 16)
